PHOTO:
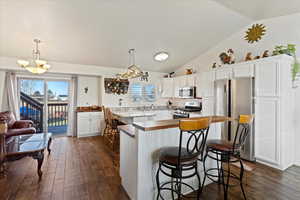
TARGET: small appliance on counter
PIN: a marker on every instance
(187, 92)
(191, 106)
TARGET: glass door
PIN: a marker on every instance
(45, 102)
(57, 106)
(32, 101)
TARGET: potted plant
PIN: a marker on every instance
(290, 50)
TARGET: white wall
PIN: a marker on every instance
(280, 31)
(112, 100)
(85, 72)
(92, 96)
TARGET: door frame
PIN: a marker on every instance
(45, 80)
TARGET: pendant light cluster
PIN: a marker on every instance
(133, 71)
(36, 65)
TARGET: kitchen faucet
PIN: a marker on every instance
(152, 106)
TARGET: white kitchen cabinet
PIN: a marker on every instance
(274, 112)
(208, 106)
(190, 80)
(205, 84)
(267, 130)
(244, 70)
(167, 87)
(224, 73)
(89, 123)
(267, 78)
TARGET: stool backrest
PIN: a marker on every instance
(242, 131)
(105, 114)
(197, 130)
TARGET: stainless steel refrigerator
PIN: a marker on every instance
(235, 97)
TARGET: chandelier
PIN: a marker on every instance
(133, 71)
(35, 65)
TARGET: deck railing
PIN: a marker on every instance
(57, 114)
(32, 109)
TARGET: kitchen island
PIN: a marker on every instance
(139, 146)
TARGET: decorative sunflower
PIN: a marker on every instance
(255, 33)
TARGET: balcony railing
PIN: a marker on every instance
(33, 110)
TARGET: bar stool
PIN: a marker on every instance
(111, 132)
(181, 162)
(225, 152)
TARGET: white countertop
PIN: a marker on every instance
(135, 114)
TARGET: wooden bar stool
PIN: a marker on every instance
(225, 152)
(181, 162)
(111, 132)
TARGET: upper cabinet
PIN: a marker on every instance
(205, 84)
(167, 87)
(184, 81)
(267, 79)
(190, 80)
(223, 73)
(242, 71)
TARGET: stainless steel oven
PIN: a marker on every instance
(187, 92)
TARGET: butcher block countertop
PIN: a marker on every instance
(165, 124)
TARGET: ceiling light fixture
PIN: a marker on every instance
(36, 65)
(133, 71)
(161, 56)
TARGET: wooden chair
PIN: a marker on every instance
(111, 132)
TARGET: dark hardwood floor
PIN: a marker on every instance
(82, 169)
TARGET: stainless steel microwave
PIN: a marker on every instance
(187, 92)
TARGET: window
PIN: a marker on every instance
(139, 92)
(136, 91)
(149, 93)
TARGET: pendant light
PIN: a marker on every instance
(36, 65)
(133, 71)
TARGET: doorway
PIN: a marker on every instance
(46, 103)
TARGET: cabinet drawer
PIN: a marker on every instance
(83, 115)
(97, 115)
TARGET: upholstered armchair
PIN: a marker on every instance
(16, 127)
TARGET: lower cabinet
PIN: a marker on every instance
(267, 130)
(208, 106)
(89, 123)
(274, 133)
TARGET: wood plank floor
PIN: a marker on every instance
(81, 169)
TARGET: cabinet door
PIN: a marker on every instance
(267, 79)
(176, 85)
(208, 106)
(245, 70)
(83, 126)
(167, 87)
(95, 125)
(205, 84)
(224, 74)
(190, 80)
(267, 130)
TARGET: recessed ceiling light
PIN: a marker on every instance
(161, 56)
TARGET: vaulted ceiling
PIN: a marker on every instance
(100, 32)
(258, 9)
